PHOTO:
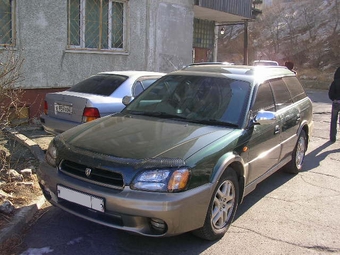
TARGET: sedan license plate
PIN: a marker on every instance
(80, 198)
(62, 108)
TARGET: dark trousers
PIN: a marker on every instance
(334, 118)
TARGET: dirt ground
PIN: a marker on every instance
(21, 192)
(22, 195)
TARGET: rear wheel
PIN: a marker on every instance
(298, 156)
(222, 208)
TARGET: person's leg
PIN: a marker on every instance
(334, 118)
(338, 115)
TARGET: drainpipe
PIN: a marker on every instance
(245, 47)
(215, 52)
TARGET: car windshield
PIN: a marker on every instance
(100, 84)
(199, 99)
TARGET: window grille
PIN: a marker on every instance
(97, 24)
(7, 23)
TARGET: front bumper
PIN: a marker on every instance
(146, 213)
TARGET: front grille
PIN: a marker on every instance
(98, 176)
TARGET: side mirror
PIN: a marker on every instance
(126, 100)
(265, 118)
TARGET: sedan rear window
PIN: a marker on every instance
(102, 84)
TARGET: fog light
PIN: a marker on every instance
(158, 225)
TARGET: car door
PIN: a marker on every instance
(289, 115)
(264, 145)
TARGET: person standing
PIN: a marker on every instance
(290, 66)
(334, 95)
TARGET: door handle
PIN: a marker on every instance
(298, 118)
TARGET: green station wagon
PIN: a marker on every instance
(183, 154)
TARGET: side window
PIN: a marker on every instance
(295, 88)
(264, 99)
(281, 94)
(137, 89)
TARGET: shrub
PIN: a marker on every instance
(10, 93)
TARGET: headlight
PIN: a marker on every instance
(162, 180)
(51, 154)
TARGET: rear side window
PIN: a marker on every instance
(295, 88)
(148, 82)
(264, 99)
(141, 85)
(138, 88)
(281, 94)
(101, 84)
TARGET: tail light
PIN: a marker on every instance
(90, 114)
(45, 107)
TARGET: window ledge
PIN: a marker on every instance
(102, 52)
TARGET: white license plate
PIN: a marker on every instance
(80, 198)
(62, 108)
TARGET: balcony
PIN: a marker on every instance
(231, 11)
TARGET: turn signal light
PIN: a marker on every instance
(45, 107)
(90, 114)
(178, 180)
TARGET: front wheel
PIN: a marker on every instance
(222, 207)
(298, 156)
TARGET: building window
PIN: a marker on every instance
(204, 33)
(7, 23)
(97, 24)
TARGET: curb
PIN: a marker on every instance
(21, 218)
(24, 140)
(25, 214)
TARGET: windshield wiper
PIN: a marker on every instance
(214, 122)
(164, 115)
(157, 114)
(135, 112)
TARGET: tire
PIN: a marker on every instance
(222, 207)
(298, 155)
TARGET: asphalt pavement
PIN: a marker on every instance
(314, 206)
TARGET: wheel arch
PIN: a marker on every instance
(305, 127)
(235, 162)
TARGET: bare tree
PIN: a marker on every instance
(268, 30)
(335, 16)
(10, 94)
(230, 48)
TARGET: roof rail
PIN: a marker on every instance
(208, 63)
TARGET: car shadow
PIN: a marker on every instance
(314, 157)
(262, 189)
(312, 160)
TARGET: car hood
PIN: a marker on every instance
(140, 137)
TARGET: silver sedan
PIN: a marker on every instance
(92, 98)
